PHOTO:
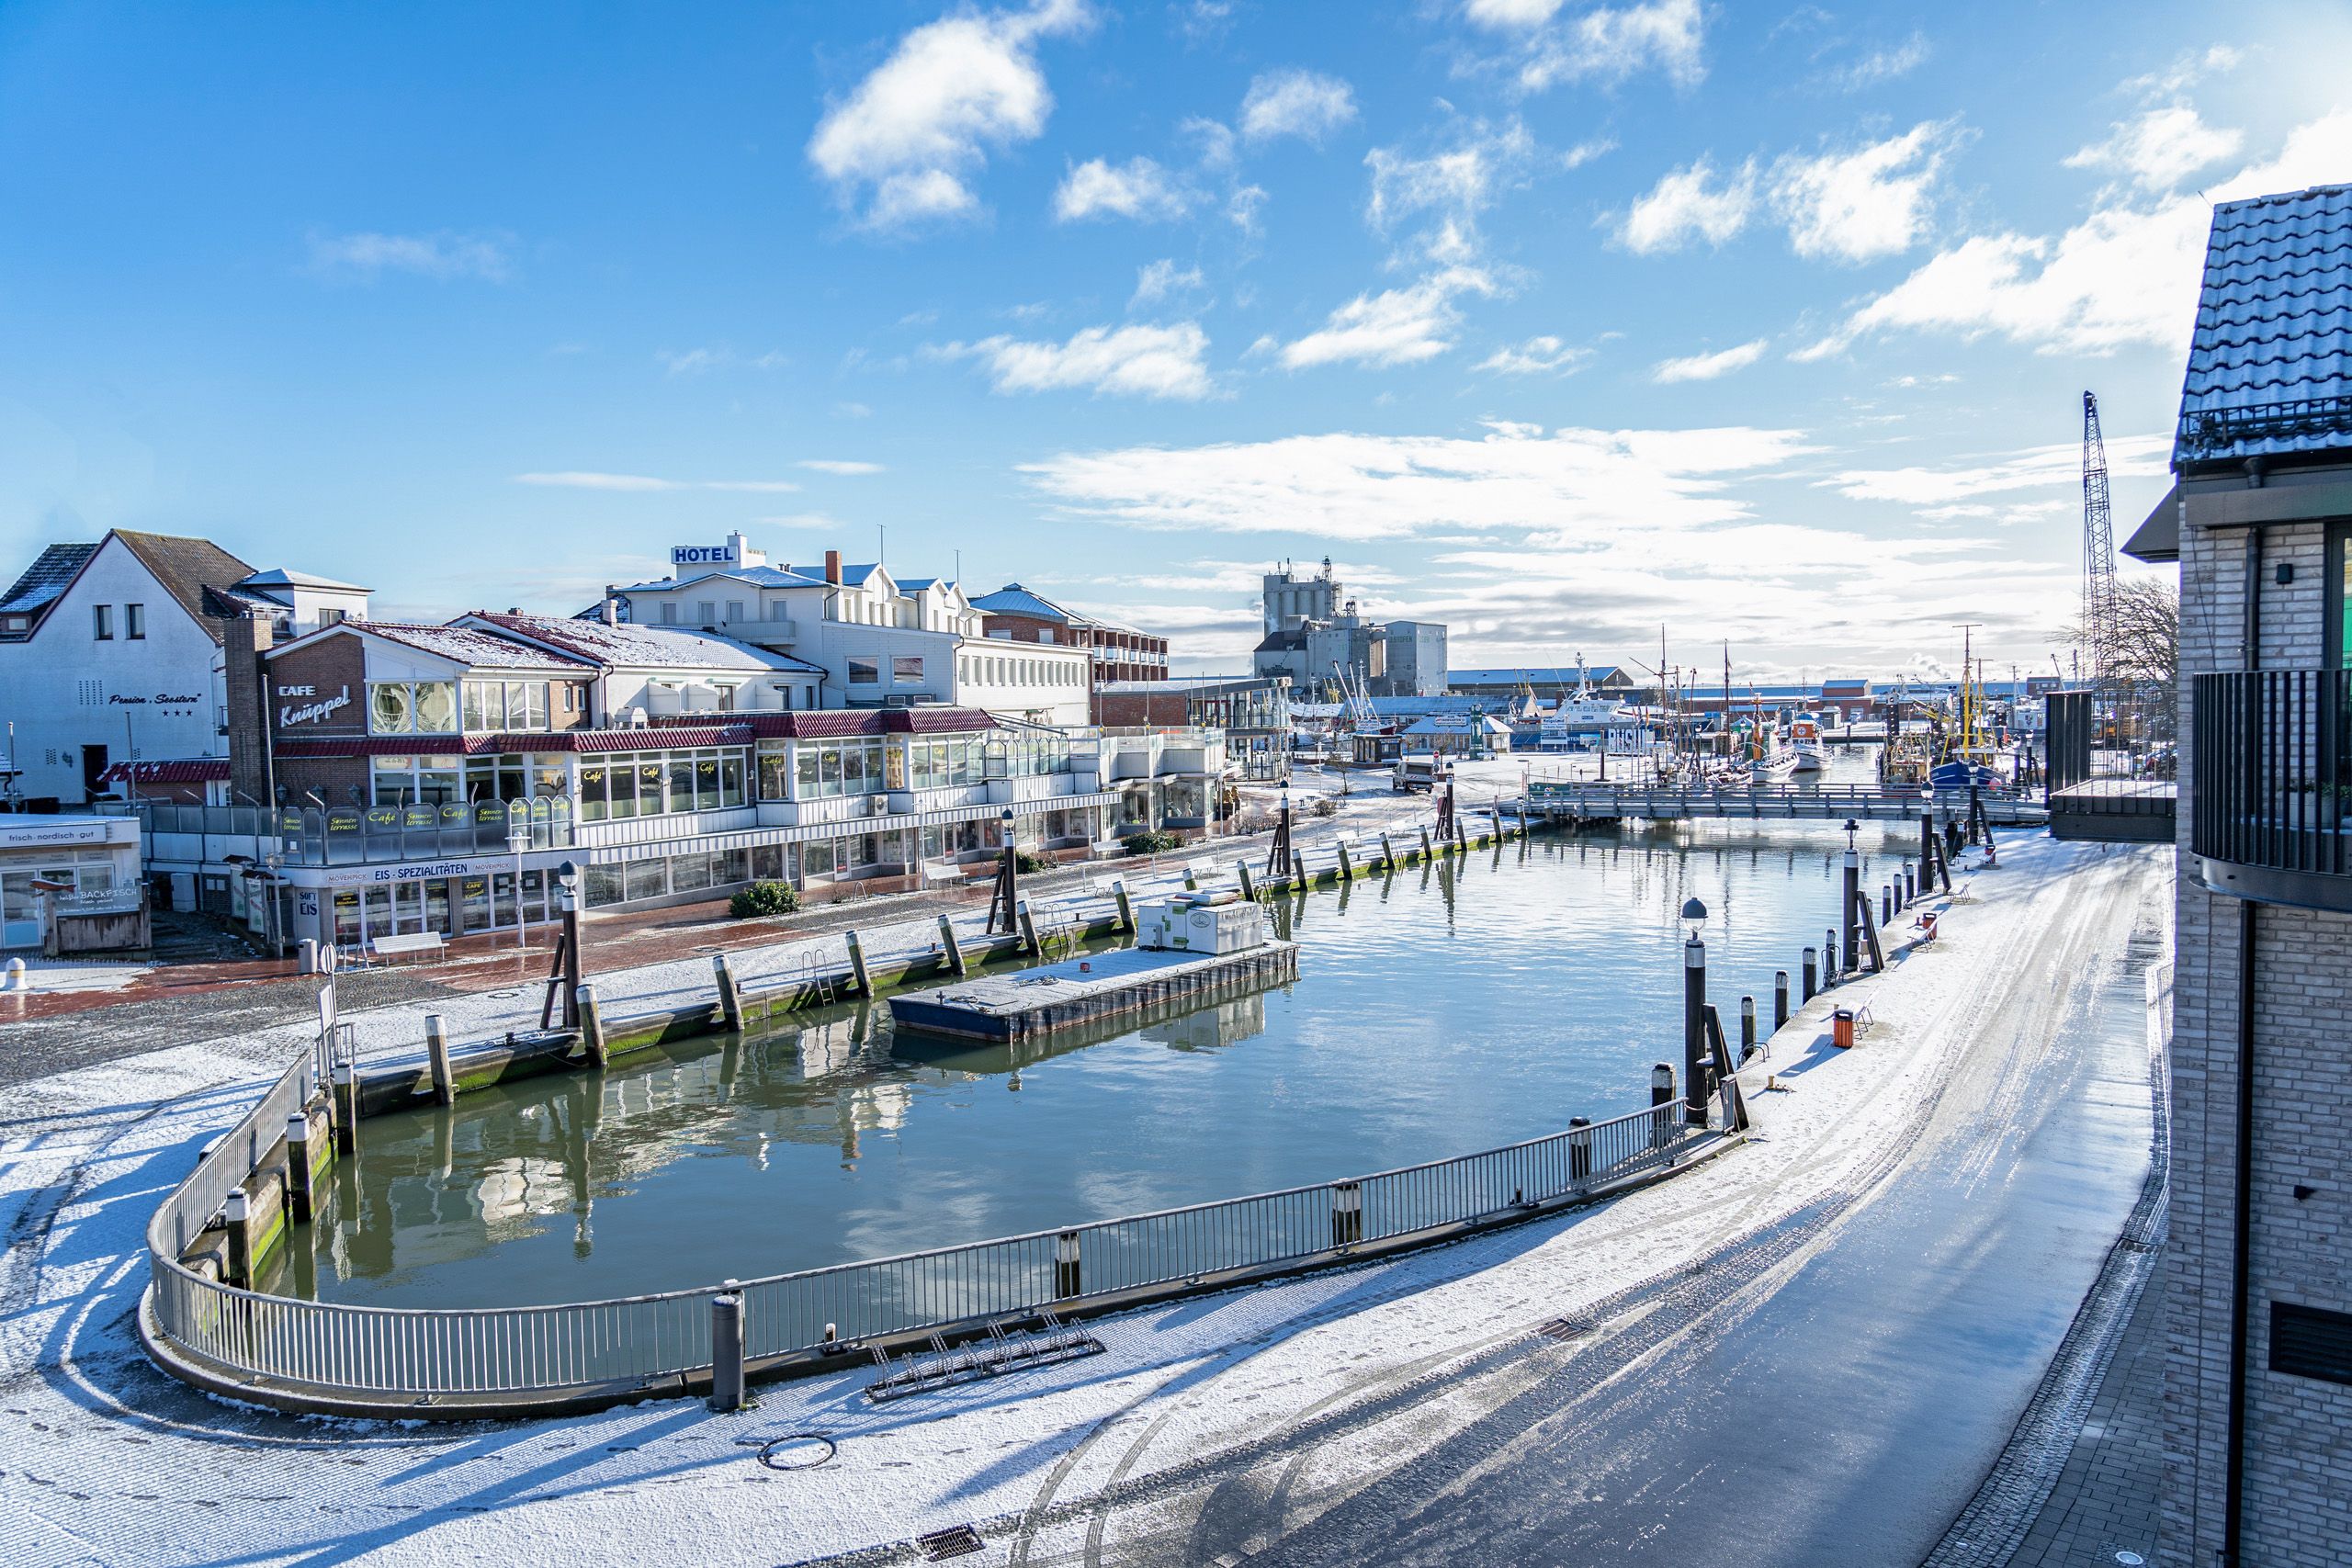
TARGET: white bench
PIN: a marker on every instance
(412, 944)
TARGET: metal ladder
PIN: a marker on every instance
(813, 977)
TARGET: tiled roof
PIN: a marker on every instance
(640, 647)
(193, 770)
(46, 577)
(278, 577)
(186, 567)
(2270, 361)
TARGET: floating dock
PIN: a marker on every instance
(1082, 991)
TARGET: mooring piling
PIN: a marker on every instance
(346, 1108)
(1830, 972)
(591, 1024)
(1127, 905)
(1885, 905)
(857, 958)
(953, 946)
(1780, 1000)
(1746, 1027)
(437, 1056)
(298, 1165)
(236, 1209)
(1695, 1031)
(1812, 976)
(731, 999)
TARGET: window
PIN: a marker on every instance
(669, 613)
(331, 617)
(412, 708)
(906, 667)
(706, 610)
(134, 623)
(734, 609)
(866, 672)
(102, 622)
(1002, 635)
(1044, 634)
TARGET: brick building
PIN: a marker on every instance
(1013, 613)
(2258, 1307)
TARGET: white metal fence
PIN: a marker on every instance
(380, 1355)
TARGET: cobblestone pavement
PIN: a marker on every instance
(2106, 1502)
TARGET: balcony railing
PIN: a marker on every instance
(2271, 786)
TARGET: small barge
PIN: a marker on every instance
(1193, 948)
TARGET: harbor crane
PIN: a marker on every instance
(2099, 547)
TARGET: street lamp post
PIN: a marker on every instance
(275, 925)
(1694, 1017)
(518, 838)
(567, 882)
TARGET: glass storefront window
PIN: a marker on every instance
(591, 792)
(390, 709)
(647, 878)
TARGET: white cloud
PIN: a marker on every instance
(2184, 73)
(576, 479)
(1707, 367)
(1610, 43)
(1135, 361)
(1584, 153)
(1883, 65)
(1536, 357)
(694, 361)
(1138, 188)
(1157, 280)
(911, 135)
(1864, 204)
(841, 466)
(2160, 148)
(1305, 103)
(2036, 468)
(1685, 204)
(485, 258)
(1588, 483)
(1396, 326)
(1510, 14)
(1453, 187)
(2124, 274)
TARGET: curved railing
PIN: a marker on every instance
(332, 1356)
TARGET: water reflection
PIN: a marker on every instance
(1439, 1010)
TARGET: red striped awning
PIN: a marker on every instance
(189, 770)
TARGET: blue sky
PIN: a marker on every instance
(1553, 321)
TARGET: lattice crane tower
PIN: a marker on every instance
(2099, 545)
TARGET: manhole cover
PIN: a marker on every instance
(796, 1450)
(2131, 1559)
(961, 1540)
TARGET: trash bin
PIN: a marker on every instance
(1841, 1029)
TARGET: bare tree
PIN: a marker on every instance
(2140, 650)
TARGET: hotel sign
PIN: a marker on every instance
(702, 554)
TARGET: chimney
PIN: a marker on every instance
(245, 678)
(612, 606)
(833, 566)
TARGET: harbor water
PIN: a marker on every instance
(1438, 1012)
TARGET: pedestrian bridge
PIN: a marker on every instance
(1589, 801)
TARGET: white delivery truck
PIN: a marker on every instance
(1416, 775)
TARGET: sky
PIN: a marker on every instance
(1561, 323)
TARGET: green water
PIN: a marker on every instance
(1438, 1012)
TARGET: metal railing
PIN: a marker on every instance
(355, 835)
(2116, 745)
(330, 1351)
(2272, 780)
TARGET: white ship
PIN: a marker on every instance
(1806, 745)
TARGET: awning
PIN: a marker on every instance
(2157, 538)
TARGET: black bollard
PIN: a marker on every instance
(1662, 1104)
(1910, 884)
(1812, 976)
(1746, 1027)
(1852, 908)
(1780, 998)
(1580, 1149)
(1829, 970)
(1886, 905)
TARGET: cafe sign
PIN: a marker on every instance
(302, 704)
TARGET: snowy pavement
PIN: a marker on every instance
(110, 1463)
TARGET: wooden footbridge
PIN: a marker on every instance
(1592, 801)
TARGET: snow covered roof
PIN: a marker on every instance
(1014, 600)
(278, 577)
(1540, 676)
(47, 578)
(758, 576)
(474, 647)
(642, 647)
(2270, 359)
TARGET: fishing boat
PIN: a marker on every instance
(1806, 745)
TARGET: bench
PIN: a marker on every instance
(412, 944)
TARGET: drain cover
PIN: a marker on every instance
(961, 1540)
(2129, 1559)
(1566, 1328)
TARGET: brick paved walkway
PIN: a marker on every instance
(2106, 1500)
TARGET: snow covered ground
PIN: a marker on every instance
(109, 1462)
